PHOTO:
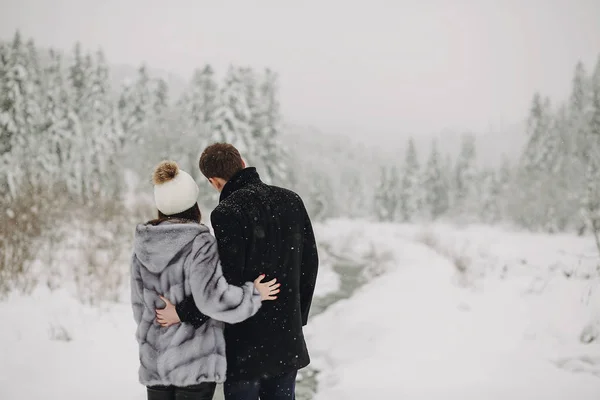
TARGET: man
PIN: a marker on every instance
(260, 229)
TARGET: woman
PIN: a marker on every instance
(175, 256)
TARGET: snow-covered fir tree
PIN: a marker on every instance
(465, 203)
(592, 195)
(267, 124)
(196, 107)
(578, 109)
(387, 194)
(198, 103)
(489, 196)
(57, 119)
(230, 121)
(435, 185)
(540, 165)
(102, 127)
(136, 106)
(356, 204)
(20, 116)
(411, 196)
(506, 186)
(7, 128)
(564, 183)
(575, 137)
(540, 151)
(578, 106)
(320, 203)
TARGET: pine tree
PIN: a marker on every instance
(7, 128)
(33, 61)
(575, 139)
(161, 97)
(320, 202)
(93, 136)
(355, 204)
(199, 101)
(592, 197)
(106, 133)
(580, 103)
(250, 80)
(34, 93)
(505, 174)
(505, 188)
(269, 148)
(135, 107)
(541, 149)
(410, 189)
(387, 201)
(230, 121)
(79, 79)
(20, 116)
(448, 173)
(538, 165)
(565, 182)
(435, 185)
(465, 179)
(489, 197)
(58, 135)
(595, 124)
(197, 106)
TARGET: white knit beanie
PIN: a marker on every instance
(174, 190)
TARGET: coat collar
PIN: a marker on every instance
(245, 177)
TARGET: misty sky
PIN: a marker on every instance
(380, 68)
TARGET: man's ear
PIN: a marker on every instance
(243, 163)
(213, 183)
(217, 183)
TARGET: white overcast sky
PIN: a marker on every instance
(347, 66)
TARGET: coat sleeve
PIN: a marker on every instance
(189, 313)
(231, 248)
(308, 269)
(137, 288)
(213, 295)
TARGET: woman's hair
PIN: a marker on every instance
(191, 214)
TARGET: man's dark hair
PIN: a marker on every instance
(220, 160)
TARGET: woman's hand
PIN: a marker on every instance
(267, 290)
(168, 315)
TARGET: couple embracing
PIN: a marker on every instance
(226, 308)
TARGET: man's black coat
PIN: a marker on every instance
(264, 229)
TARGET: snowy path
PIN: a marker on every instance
(411, 333)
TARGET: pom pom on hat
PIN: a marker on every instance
(165, 171)
(174, 189)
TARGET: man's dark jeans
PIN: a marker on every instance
(282, 387)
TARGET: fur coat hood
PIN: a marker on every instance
(156, 245)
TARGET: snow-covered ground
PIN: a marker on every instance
(506, 328)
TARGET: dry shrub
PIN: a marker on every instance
(59, 333)
(87, 244)
(23, 221)
(459, 259)
(101, 242)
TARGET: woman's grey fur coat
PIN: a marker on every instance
(177, 260)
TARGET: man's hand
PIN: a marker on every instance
(168, 315)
